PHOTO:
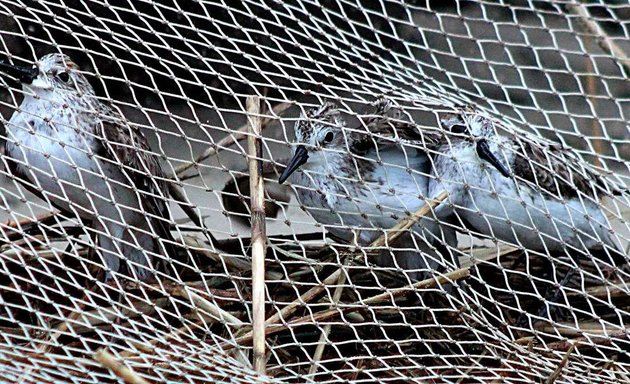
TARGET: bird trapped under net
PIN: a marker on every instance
(445, 191)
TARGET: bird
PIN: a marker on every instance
(535, 195)
(359, 182)
(80, 155)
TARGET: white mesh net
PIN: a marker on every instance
(478, 288)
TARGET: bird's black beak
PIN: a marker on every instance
(484, 152)
(300, 157)
(24, 74)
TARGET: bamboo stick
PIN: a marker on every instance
(259, 238)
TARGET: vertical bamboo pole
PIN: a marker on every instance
(259, 236)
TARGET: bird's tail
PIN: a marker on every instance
(137, 253)
(170, 261)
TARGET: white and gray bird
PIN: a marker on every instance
(357, 182)
(535, 195)
(81, 156)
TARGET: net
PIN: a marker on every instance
(461, 294)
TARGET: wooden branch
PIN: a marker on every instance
(150, 346)
(18, 229)
(259, 233)
(592, 341)
(119, 369)
(289, 309)
(447, 278)
(237, 263)
(178, 195)
(44, 218)
(304, 298)
(596, 132)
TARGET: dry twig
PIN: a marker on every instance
(119, 369)
(334, 277)
(554, 376)
(209, 307)
(390, 295)
(259, 237)
(321, 345)
(408, 222)
(592, 341)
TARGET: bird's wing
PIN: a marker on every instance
(389, 124)
(557, 170)
(126, 146)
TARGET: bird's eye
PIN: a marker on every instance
(64, 76)
(329, 137)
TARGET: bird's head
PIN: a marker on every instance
(51, 73)
(317, 129)
(480, 130)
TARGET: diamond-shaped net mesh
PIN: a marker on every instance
(125, 258)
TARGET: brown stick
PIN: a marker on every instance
(150, 346)
(408, 222)
(591, 90)
(259, 234)
(456, 275)
(238, 264)
(554, 376)
(211, 308)
(20, 229)
(321, 345)
(588, 342)
(119, 369)
(447, 278)
(47, 217)
(304, 298)
(178, 195)
(602, 291)
(234, 137)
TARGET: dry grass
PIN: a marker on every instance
(387, 325)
